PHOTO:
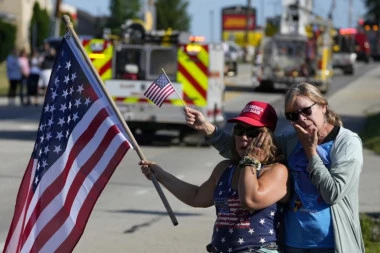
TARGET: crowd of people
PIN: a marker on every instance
(308, 178)
(28, 74)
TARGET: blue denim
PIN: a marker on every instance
(266, 248)
(289, 249)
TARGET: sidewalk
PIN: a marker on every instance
(353, 103)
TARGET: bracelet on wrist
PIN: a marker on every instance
(249, 161)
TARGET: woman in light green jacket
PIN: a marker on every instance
(325, 161)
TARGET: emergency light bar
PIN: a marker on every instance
(193, 48)
(347, 31)
(197, 39)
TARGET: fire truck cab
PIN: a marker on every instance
(344, 56)
(300, 52)
(195, 69)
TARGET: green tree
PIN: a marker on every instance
(39, 26)
(120, 11)
(172, 14)
(7, 38)
(373, 8)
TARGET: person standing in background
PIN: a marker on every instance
(14, 76)
(25, 71)
(35, 71)
(47, 61)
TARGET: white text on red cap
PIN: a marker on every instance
(253, 109)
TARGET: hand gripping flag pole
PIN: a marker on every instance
(70, 28)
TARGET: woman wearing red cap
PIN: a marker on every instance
(246, 190)
(325, 161)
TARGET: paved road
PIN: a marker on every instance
(129, 216)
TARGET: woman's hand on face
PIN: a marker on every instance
(309, 141)
(257, 148)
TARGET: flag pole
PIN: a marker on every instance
(69, 26)
(174, 88)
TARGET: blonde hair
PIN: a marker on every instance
(312, 92)
(271, 151)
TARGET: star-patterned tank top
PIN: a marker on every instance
(237, 228)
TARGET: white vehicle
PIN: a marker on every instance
(232, 54)
(344, 56)
(295, 54)
(195, 70)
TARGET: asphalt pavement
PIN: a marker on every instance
(353, 103)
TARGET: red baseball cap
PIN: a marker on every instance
(258, 114)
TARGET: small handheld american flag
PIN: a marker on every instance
(159, 90)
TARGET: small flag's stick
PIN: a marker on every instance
(69, 26)
(174, 88)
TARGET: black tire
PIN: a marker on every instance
(324, 88)
(349, 71)
(266, 86)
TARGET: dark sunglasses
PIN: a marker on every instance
(247, 131)
(294, 116)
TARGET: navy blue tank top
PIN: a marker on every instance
(237, 228)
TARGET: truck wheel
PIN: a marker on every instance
(235, 67)
(348, 71)
(325, 87)
(149, 132)
(265, 86)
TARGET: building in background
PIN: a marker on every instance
(22, 11)
(239, 25)
(19, 13)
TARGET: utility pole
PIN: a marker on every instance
(212, 26)
(262, 13)
(56, 24)
(350, 13)
(327, 41)
(247, 22)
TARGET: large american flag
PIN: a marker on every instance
(80, 142)
(159, 90)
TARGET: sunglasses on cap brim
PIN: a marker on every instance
(294, 116)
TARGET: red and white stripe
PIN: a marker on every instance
(53, 218)
(231, 219)
(158, 95)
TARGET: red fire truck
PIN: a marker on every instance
(362, 45)
(371, 29)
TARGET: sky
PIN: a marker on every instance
(206, 14)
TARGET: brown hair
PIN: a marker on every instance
(312, 92)
(271, 151)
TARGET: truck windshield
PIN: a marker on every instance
(345, 44)
(146, 62)
(284, 53)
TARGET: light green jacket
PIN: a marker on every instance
(338, 186)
